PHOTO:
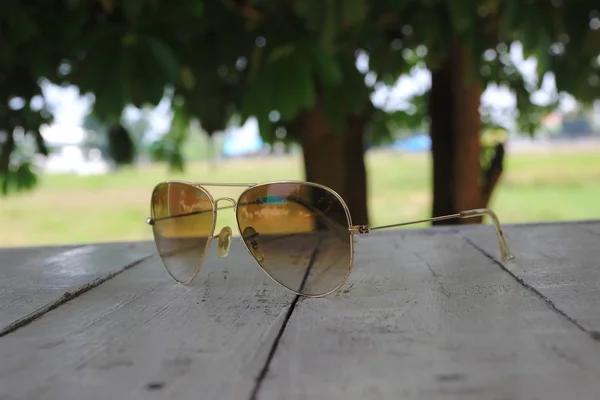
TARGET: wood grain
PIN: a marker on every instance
(140, 335)
(35, 280)
(428, 316)
(559, 261)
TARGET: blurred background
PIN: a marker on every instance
(408, 109)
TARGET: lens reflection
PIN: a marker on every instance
(299, 234)
(183, 223)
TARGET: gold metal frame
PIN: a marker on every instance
(353, 230)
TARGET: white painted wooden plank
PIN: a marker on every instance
(34, 280)
(560, 261)
(427, 316)
(140, 335)
(593, 227)
(19, 251)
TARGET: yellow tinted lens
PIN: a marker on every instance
(183, 223)
(299, 235)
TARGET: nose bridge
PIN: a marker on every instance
(224, 236)
(227, 199)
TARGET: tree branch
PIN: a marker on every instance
(492, 174)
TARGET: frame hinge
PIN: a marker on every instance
(360, 229)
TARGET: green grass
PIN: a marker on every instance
(70, 209)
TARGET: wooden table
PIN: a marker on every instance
(427, 314)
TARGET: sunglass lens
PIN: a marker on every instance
(183, 217)
(299, 235)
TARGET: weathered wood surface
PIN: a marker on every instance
(33, 281)
(140, 335)
(561, 263)
(426, 314)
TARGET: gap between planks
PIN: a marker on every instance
(146, 336)
(66, 297)
(427, 231)
(460, 328)
(265, 369)
(82, 289)
(593, 334)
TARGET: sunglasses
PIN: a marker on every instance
(299, 233)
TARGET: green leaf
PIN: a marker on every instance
(324, 64)
(511, 14)
(313, 12)
(334, 114)
(303, 88)
(176, 160)
(284, 83)
(164, 58)
(350, 96)
(19, 21)
(265, 128)
(179, 125)
(19, 178)
(542, 55)
(461, 15)
(353, 11)
(322, 17)
(25, 178)
(187, 77)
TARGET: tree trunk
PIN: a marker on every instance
(466, 97)
(442, 142)
(458, 180)
(336, 160)
(356, 171)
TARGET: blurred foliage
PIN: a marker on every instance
(227, 59)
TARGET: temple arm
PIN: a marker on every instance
(507, 256)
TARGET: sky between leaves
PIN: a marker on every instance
(70, 108)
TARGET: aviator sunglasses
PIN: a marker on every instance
(299, 233)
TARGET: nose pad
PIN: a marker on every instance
(251, 238)
(224, 241)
